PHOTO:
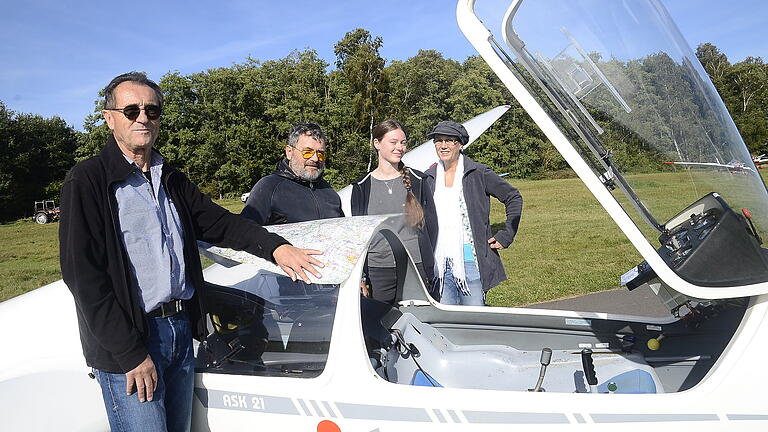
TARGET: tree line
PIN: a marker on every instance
(226, 127)
(35, 155)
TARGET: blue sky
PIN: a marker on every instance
(56, 55)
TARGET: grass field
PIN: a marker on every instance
(29, 257)
(567, 246)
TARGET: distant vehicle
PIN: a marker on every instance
(45, 211)
(244, 197)
(760, 160)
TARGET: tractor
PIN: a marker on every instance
(46, 211)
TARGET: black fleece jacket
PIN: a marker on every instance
(283, 197)
(94, 263)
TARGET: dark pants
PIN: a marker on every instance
(384, 282)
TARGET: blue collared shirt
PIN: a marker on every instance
(152, 235)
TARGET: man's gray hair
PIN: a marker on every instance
(310, 129)
(137, 77)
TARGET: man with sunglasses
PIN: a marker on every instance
(128, 231)
(296, 191)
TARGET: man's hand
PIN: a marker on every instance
(144, 376)
(494, 244)
(294, 261)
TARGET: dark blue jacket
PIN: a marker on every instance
(479, 184)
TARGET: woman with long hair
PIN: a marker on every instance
(395, 188)
(467, 262)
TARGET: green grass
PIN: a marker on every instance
(29, 257)
(29, 254)
(567, 244)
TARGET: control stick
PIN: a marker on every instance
(546, 357)
(589, 369)
(655, 343)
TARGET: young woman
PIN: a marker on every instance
(394, 188)
(467, 262)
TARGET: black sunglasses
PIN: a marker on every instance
(131, 112)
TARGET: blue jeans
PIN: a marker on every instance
(170, 345)
(452, 295)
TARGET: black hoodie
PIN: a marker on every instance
(283, 197)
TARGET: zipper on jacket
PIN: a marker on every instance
(317, 204)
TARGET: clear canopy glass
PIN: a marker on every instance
(635, 99)
(630, 95)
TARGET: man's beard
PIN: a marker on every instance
(309, 175)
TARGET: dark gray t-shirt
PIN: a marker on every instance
(389, 197)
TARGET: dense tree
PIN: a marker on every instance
(226, 127)
(358, 59)
(747, 83)
(743, 87)
(420, 89)
(514, 145)
(715, 62)
(35, 154)
(749, 78)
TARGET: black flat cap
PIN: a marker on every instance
(450, 128)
